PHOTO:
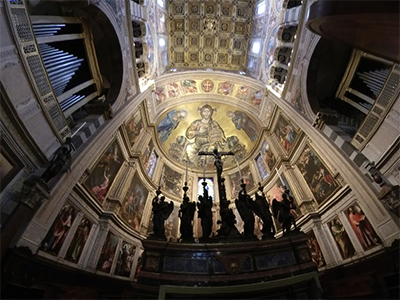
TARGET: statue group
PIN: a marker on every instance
(248, 208)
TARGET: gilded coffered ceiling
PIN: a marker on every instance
(209, 34)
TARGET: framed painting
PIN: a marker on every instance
(268, 155)
(342, 240)
(133, 204)
(10, 165)
(315, 250)
(171, 181)
(285, 133)
(133, 127)
(59, 230)
(316, 174)
(235, 179)
(79, 241)
(104, 172)
(361, 226)
(107, 253)
(125, 259)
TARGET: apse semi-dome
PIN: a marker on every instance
(185, 130)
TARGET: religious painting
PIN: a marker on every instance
(55, 238)
(160, 95)
(242, 92)
(243, 122)
(170, 123)
(150, 165)
(189, 86)
(207, 86)
(105, 171)
(172, 225)
(107, 253)
(236, 178)
(262, 167)
(361, 226)
(125, 259)
(315, 250)
(257, 98)
(138, 265)
(171, 181)
(316, 174)
(147, 152)
(173, 90)
(285, 133)
(133, 204)
(133, 128)
(343, 242)
(10, 165)
(79, 240)
(269, 156)
(225, 88)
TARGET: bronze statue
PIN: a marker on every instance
(244, 207)
(186, 214)
(261, 209)
(161, 212)
(283, 212)
(205, 213)
(61, 159)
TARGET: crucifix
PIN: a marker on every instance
(218, 161)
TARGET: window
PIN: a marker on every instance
(209, 187)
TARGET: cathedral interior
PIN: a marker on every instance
(108, 105)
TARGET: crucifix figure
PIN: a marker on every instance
(218, 160)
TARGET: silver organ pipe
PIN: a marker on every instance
(374, 80)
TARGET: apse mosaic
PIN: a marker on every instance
(187, 130)
(316, 174)
(361, 226)
(79, 241)
(59, 230)
(342, 240)
(133, 204)
(104, 172)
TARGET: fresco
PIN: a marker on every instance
(225, 88)
(107, 253)
(343, 242)
(361, 226)
(189, 86)
(315, 250)
(55, 238)
(160, 95)
(171, 181)
(242, 92)
(173, 90)
(79, 240)
(269, 156)
(285, 133)
(194, 127)
(125, 259)
(104, 172)
(207, 85)
(133, 128)
(235, 180)
(133, 204)
(257, 98)
(316, 174)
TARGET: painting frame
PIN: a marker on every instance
(10, 162)
(321, 176)
(132, 127)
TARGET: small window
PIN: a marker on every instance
(209, 187)
(260, 8)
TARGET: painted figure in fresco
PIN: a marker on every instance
(205, 132)
(134, 128)
(243, 122)
(61, 159)
(169, 123)
(161, 211)
(342, 239)
(79, 241)
(60, 229)
(261, 209)
(362, 228)
(244, 207)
